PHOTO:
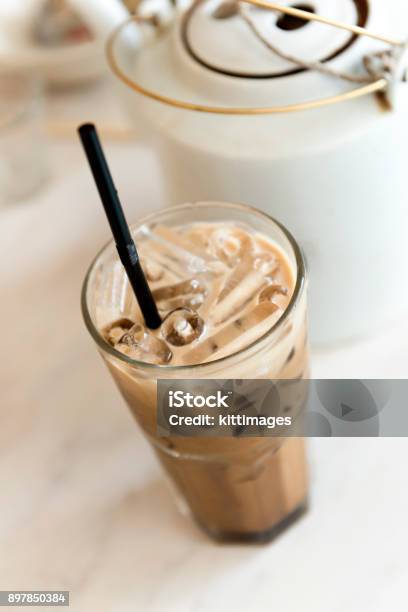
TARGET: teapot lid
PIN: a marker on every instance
(216, 63)
(216, 36)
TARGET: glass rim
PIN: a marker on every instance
(297, 292)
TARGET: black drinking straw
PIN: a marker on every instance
(124, 243)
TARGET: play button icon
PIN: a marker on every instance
(348, 400)
(345, 410)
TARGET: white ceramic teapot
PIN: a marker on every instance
(232, 120)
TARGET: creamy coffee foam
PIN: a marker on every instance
(218, 286)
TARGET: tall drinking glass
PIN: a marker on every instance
(243, 489)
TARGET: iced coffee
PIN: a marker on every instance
(229, 283)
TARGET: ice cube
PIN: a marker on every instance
(243, 285)
(272, 291)
(182, 241)
(134, 336)
(230, 244)
(212, 297)
(172, 250)
(235, 277)
(266, 263)
(189, 294)
(153, 271)
(171, 267)
(182, 326)
(247, 324)
(140, 344)
(198, 234)
(114, 332)
(114, 296)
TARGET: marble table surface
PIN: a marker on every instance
(83, 505)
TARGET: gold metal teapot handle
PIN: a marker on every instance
(363, 90)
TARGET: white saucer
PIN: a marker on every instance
(63, 65)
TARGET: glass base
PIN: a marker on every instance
(260, 537)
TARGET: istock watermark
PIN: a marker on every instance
(180, 399)
(283, 408)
